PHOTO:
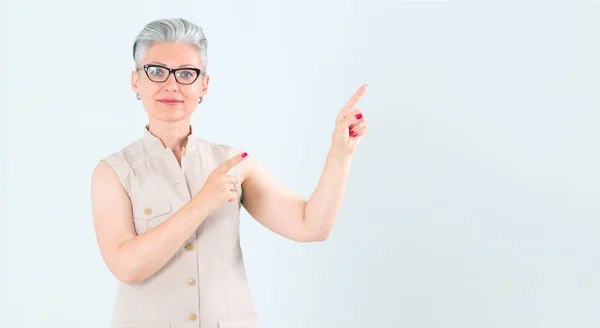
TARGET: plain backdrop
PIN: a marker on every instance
(473, 202)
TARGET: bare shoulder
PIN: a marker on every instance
(107, 190)
(111, 208)
(103, 171)
(104, 180)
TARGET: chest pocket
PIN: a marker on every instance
(148, 216)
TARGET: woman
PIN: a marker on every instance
(166, 207)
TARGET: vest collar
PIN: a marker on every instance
(155, 146)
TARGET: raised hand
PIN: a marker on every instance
(350, 127)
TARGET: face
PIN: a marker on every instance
(170, 101)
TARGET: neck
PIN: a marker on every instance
(172, 136)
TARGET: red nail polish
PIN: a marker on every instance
(244, 154)
(352, 133)
(358, 116)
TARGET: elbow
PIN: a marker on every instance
(311, 233)
(310, 237)
(128, 275)
(122, 266)
(318, 236)
(322, 235)
(129, 279)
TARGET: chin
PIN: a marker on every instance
(171, 114)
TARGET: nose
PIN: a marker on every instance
(171, 84)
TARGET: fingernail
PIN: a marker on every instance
(244, 154)
(358, 116)
(352, 133)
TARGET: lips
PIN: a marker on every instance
(170, 101)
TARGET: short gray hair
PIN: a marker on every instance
(170, 30)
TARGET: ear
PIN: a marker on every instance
(135, 80)
(206, 79)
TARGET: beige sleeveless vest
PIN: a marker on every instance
(204, 284)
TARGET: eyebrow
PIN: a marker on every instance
(165, 65)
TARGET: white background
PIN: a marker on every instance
(473, 202)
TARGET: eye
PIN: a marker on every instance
(156, 71)
(187, 75)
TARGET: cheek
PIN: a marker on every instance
(192, 92)
(149, 87)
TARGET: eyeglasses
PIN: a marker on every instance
(186, 75)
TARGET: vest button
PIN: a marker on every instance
(147, 211)
(189, 247)
(193, 317)
(192, 282)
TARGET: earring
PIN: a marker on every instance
(199, 101)
(138, 96)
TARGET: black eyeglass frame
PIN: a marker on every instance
(199, 72)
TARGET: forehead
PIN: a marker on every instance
(173, 55)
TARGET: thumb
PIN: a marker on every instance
(342, 123)
(345, 120)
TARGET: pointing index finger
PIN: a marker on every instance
(230, 163)
(354, 99)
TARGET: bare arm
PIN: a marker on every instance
(132, 258)
(324, 204)
(284, 212)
